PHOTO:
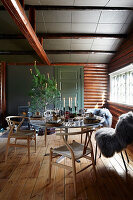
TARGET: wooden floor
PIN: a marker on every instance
(19, 180)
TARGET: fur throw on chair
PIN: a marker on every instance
(111, 140)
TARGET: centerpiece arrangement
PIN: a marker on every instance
(43, 92)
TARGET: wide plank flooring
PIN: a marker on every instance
(19, 180)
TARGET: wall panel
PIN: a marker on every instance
(95, 84)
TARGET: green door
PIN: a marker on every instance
(70, 84)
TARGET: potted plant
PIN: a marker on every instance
(43, 92)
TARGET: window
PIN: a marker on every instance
(121, 85)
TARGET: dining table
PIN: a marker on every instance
(43, 123)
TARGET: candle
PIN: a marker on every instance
(56, 85)
(64, 102)
(48, 75)
(69, 101)
(35, 63)
(75, 102)
(46, 85)
(31, 71)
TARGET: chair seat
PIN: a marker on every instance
(22, 134)
(76, 147)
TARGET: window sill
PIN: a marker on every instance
(120, 104)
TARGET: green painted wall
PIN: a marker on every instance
(19, 83)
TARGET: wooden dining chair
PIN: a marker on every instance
(17, 133)
(49, 125)
(74, 151)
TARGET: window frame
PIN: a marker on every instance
(121, 85)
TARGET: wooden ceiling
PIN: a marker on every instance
(72, 31)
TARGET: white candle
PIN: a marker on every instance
(69, 101)
(75, 102)
(48, 75)
(46, 85)
(64, 102)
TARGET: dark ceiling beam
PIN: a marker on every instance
(79, 36)
(41, 7)
(58, 64)
(18, 15)
(66, 36)
(73, 8)
(57, 52)
(78, 52)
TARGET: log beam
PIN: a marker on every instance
(66, 36)
(74, 8)
(77, 8)
(18, 15)
(57, 52)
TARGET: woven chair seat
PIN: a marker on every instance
(76, 147)
(21, 134)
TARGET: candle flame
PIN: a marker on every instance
(96, 106)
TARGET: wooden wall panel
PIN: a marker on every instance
(123, 57)
(95, 84)
(117, 110)
(2, 93)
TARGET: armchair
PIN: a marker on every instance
(111, 140)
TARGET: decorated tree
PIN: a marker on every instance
(44, 91)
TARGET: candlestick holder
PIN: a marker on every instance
(64, 110)
(69, 109)
(75, 109)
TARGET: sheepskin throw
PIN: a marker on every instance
(111, 140)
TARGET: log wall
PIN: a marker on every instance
(123, 57)
(95, 84)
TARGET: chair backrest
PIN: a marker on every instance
(15, 121)
(87, 141)
(124, 129)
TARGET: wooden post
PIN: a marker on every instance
(3, 93)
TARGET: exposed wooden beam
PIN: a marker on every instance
(73, 8)
(78, 52)
(77, 64)
(18, 15)
(57, 52)
(59, 64)
(66, 36)
(43, 7)
(32, 17)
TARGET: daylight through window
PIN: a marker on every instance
(121, 85)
